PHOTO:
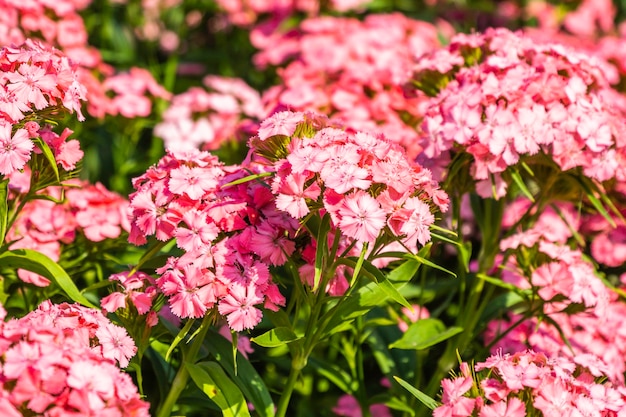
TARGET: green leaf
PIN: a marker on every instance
(383, 283)
(433, 265)
(333, 373)
(321, 251)
(275, 337)
(357, 304)
(517, 178)
(39, 263)
(247, 378)
(4, 209)
(499, 283)
(589, 188)
(47, 153)
(211, 379)
(247, 179)
(424, 334)
(391, 361)
(393, 293)
(404, 272)
(423, 398)
(179, 337)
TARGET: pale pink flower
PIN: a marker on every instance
(30, 83)
(361, 217)
(116, 344)
(281, 123)
(192, 181)
(514, 407)
(291, 195)
(14, 150)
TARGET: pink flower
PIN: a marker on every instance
(511, 408)
(116, 344)
(412, 220)
(14, 150)
(238, 307)
(194, 182)
(361, 217)
(281, 123)
(291, 195)
(455, 404)
(30, 83)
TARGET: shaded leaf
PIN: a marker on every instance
(39, 263)
(211, 379)
(247, 378)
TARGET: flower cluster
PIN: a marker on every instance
(501, 97)
(230, 235)
(138, 290)
(248, 12)
(364, 182)
(205, 119)
(35, 80)
(46, 225)
(356, 82)
(59, 25)
(575, 314)
(61, 360)
(528, 383)
(130, 94)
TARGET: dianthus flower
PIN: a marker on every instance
(357, 81)
(580, 315)
(48, 226)
(38, 77)
(62, 360)
(365, 182)
(506, 99)
(526, 383)
(249, 12)
(205, 119)
(217, 226)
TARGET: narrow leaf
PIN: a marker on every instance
(433, 265)
(393, 293)
(247, 179)
(275, 337)
(39, 263)
(424, 399)
(589, 189)
(424, 334)
(47, 153)
(333, 373)
(499, 283)
(517, 178)
(247, 378)
(211, 379)
(179, 337)
(404, 272)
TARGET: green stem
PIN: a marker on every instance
(156, 248)
(296, 366)
(490, 222)
(182, 376)
(362, 392)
